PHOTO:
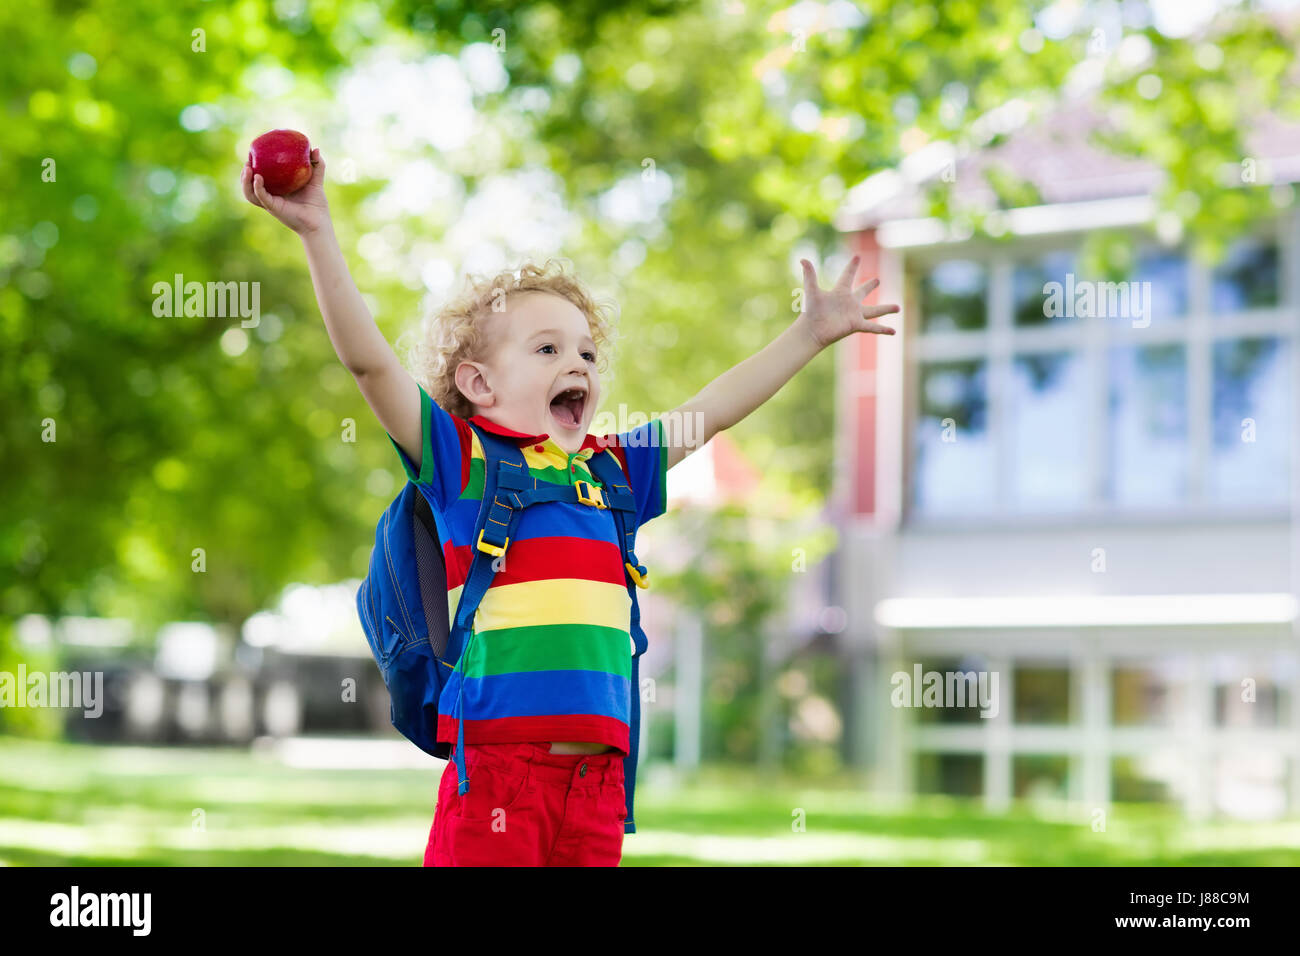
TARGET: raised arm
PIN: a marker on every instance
(387, 387)
(827, 317)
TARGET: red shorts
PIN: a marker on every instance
(529, 807)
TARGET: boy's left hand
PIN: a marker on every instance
(831, 315)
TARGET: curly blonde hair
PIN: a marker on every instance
(455, 332)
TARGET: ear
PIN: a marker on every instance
(473, 384)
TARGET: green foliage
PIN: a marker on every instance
(37, 722)
(163, 442)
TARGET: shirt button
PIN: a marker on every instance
(539, 448)
(582, 771)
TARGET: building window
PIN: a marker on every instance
(1049, 464)
(1040, 776)
(954, 296)
(1024, 408)
(1139, 698)
(1252, 693)
(954, 458)
(1148, 458)
(958, 691)
(957, 775)
(1042, 695)
(1252, 420)
(1166, 285)
(1246, 279)
(1029, 303)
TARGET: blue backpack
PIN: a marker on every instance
(403, 600)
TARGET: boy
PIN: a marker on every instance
(543, 683)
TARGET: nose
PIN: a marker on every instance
(578, 364)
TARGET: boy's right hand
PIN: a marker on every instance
(303, 211)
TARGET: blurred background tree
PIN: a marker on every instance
(735, 580)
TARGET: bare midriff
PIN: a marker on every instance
(578, 747)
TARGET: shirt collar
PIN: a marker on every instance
(590, 444)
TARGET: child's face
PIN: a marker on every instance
(541, 348)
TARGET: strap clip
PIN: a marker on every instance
(592, 496)
(490, 548)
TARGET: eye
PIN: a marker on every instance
(588, 355)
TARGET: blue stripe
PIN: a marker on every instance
(539, 694)
(557, 519)
(445, 440)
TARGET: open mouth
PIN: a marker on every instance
(567, 407)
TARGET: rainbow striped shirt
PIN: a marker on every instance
(551, 657)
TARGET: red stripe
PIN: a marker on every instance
(536, 559)
(509, 730)
(462, 429)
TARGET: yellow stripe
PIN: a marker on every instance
(617, 606)
(453, 598)
(554, 601)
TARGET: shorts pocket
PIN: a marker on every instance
(614, 798)
(492, 790)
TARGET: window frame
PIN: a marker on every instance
(1198, 330)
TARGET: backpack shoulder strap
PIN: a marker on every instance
(505, 472)
(618, 496)
(622, 504)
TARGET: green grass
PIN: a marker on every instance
(83, 805)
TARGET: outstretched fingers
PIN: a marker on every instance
(809, 275)
(846, 277)
(871, 311)
(862, 291)
(866, 326)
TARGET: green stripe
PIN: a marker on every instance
(426, 426)
(426, 455)
(556, 476)
(550, 647)
(663, 468)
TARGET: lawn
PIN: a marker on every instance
(77, 804)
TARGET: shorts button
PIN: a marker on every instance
(582, 771)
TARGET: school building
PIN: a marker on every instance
(1094, 503)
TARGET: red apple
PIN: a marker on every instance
(282, 158)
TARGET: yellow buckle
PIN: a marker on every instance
(593, 496)
(636, 575)
(489, 547)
